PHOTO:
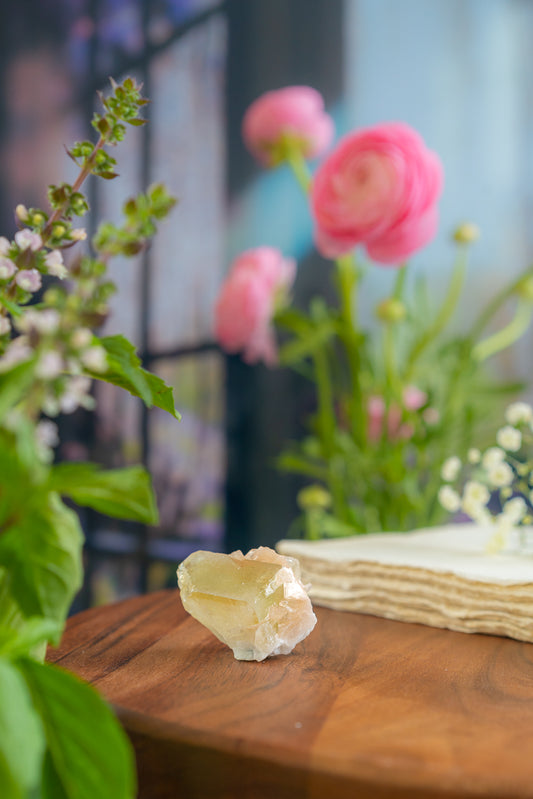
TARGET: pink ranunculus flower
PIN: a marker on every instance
(295, 113)
(258, 282)
(378, 188)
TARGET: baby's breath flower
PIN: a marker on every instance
(49, 366)
(500, 475)
(95, 359)
(27, 240)
(5, 245)
(476, 510)
(29, 279)
(515, 510)
(509, 438)
(449, 499)
(47, 433)
(518, 413)
(5, 326)
(475, 491)
(474, 455)
(54, 264)
(492, 456)
(450, 468)
(7, 268)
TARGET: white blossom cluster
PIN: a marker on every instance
(502, 472)
(51, 337)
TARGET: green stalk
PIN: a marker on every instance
(299, 166)
(347, 282)
(507, 335)
(495, 304)
(445, 313)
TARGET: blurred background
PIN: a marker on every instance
(459, 71)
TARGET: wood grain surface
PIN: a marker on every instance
(363, 708)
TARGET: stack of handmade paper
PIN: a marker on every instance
(442, 577)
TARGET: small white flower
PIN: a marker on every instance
(450, 468)
(17, 351)
(81, 338)
(44, 322)
(449, 499)
(78, 234)
(22, 212)
(518, 413)
(5, 326)
(29, 279)
(509, 438)
(476, 492)
(76, 395)
(95, 359)
(50, 406)
(7, 268)
(47, 433)
(492, 456)
(27, 240)
(50, 366)
(476, 510)
(54, 264)
(515, 510)
(474, 455)
(5, 245)
(500, 475)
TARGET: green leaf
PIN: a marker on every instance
(90, 754)
(41, 552)
(14, 385)
(34, 631)
(294, 351)
(125, 370)
(22, 741)
(122, 493)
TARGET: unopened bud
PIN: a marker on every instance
(21, 212)
(391, 310)
(466, 233)
(314, 496)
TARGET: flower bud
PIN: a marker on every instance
(466, 233)
(21, 212)
(391, 310)
(314, 496)
(78, 234)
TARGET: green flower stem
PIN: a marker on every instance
(391, 369)
(495, 304)
(347, 280)
(327, 423)
(507, 335)
(445, 313)
(84, 173)
(399, 283)
(299, 166)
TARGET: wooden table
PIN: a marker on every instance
(364, 707)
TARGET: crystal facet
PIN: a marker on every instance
(254, 603)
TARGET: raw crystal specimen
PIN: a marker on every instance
(254, 603)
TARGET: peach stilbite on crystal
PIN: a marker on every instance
(256, 603)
